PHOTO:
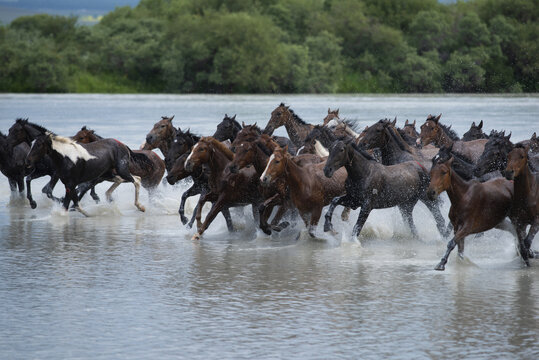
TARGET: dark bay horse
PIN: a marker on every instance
(227, 129)
(310, 190)
(12, 163)
(296, 128)
(475, 206)
(409, 133)
(161, 136)
(143, 163)
(494, 156)
(475, 132)
(525, 208)
(25, 132)
(371, 185)
(462, 166)
(226, 189)
(80, 163)
(432, 131)
(332, 115)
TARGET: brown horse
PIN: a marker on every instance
(310, 190)
(150, 176)
(161, 136)
(226, 189)
(525, 209)
(332, 114)
(475, 206)
(296, 128)
(434, 132)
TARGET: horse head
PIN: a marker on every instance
(278, 118)
(227, 129)
(332, 114)
(517, 161)
(276, 166)
(430, 130)
(494, 156)
(440, 178)
(161, 131)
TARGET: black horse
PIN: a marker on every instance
(182, 143)
(227, 129)
(475, 132)
(84, 163)
(371, 185)
(463, 166)
(12, 163)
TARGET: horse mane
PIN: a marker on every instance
(26, 122)
(221, 147)
(253, 127)
(318, 131)
(449, 132)
(297, 118)
(234, 121)
(360, 150)
(99, 137)
(194, 137)
(395, 135)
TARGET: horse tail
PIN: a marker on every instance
(141, 161)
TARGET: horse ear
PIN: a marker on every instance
(480, 124)
(437, 118)
(234, 117)
(171, 118)
(242, 124)
(509, 136)
(329, 111)
(92, 131)
(394, 123)
(534, 136)
(254, 125)
(83, 128)
(406, 122)
(337, 112)
(414, 123)
(473, 124)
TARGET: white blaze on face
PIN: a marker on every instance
(70, 149)
(299, 150)
(332, 123)
(192, 151)
(267, 166)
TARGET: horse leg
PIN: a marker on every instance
(434, 209)
(406, 211)
(193, 190)
(315, 217)
(228, 219)
(136, 182)
(338, 200)
(215, 209)
(49, 187)
(450, 246)
(20, 184)
(265, 210)
(117, 181)
(93, 194)
(345, 215)
(256, 212)
(275, 225)
(29, 179)
(529, 239)
(12, 185)
(361, 219)
(201, 201)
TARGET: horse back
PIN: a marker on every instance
(471, 149)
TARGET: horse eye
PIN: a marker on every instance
(278, 114)
(342, 150)
(277, 161)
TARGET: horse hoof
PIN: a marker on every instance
(33, 204)
(183, 219)
(190, 225)
(328, 227)
(266, 230)
(141, 208)
(440, 267)
(196, 236)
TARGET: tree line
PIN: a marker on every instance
(279, 46)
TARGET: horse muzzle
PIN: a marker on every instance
(328, 172)
(431, 194)
(171, 179)
(265, 180)
(509, 174)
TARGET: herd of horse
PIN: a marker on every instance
(491, 182)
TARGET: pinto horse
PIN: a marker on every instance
(475, 206)
(371, 185)
(144, 163)
(80, 163)
(310, 190)
(226, 189)
(525, 209)
(432, 131)
(296, 128)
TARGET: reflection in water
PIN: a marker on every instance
(122, 284)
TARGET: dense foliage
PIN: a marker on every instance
(269, 46)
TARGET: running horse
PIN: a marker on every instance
(227, 129)
(475, 207)
(475, 132)
(494, 156)
(226, 189)
(85, 163)
(161, 136)
(525, 209)
(371, 185)
(12, 163)
(432, 131)
(310, 190)
(296, 128)
(144, 163)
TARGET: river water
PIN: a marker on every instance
(128, 285)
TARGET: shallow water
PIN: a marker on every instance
(125, 284)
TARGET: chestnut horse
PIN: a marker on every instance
(475, 206)
(226, 189)
(525, 209)
(433, 132)
(310, 190)
(150, 168)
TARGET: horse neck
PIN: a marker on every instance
(390, 152)
(358, 167)
(295, 175)
(217, 163)
(296, 131)
(442, 139)
(522, 185)
(261, 161)
(457, 189)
